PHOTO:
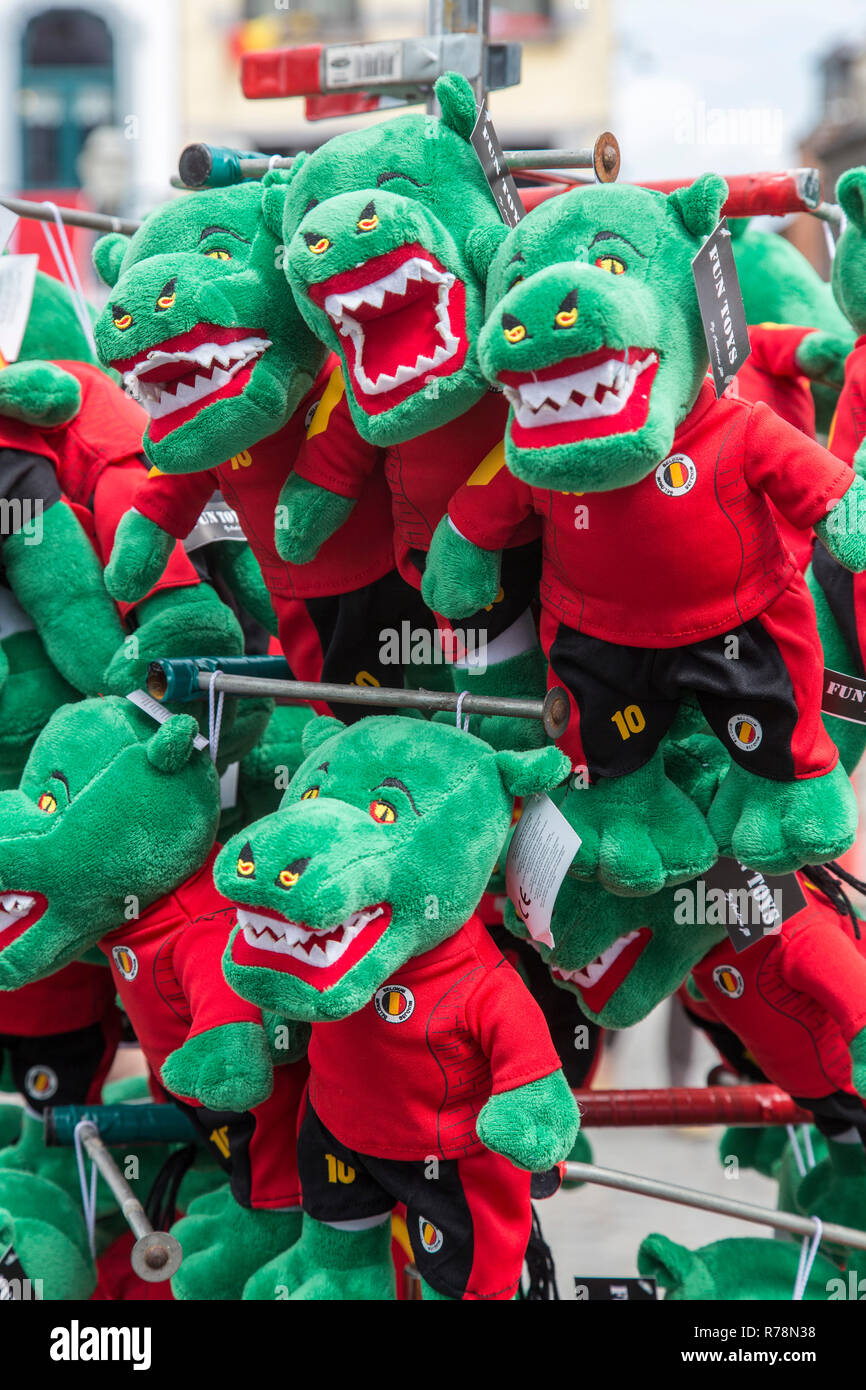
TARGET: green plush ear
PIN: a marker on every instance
(663, 1260)
(851, 193)
(170, 748)
(318, 731)
(274, 185)
(537, 770)
(108, 253)
(482, 244)
(700, 204)
(457, 100)
(737, 226)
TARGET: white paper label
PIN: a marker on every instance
(229, 787)
(542, 848)
(146, 702)
(17, 278)
(8, 223)
(348, 64)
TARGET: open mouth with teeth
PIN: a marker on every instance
(597, 982)
(401, 318)
(320, 956)
(606, 392)
(18, 911)
(176, 379)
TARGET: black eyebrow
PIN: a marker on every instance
(395, 782)
(61, 778)
(323, 767)
(223, 231)
(518, 257)
(617, 236)
(392, 174)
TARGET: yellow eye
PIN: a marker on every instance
(368, 224)
(516, 281)
(123, 322)
(246, 868)
(47, 803)
(218, 255)
(566, 318)
(287, 879)
(167, 301)
(515, 333)
(613, 264)
(310, 793)
(383, 812)
(316, 244)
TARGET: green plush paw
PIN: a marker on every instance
(843, 530)
(39, 393)
(307, 516)
(327, 1265)
(520, 677)
(189, 621)
(857, 1049)
(459, 578)
(533, 1125)
(44, 1228)
(226, 1068)
(11, 1117)
(640, 833)
(140, 554)
(821, 357)
(242, 572)
(224, 1243)
(777, 827)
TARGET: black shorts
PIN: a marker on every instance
(63, 1068)
(469, 1219)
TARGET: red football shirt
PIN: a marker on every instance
(406, 1076)
(74, 997)
(848, 428)
(795, 999)
(359, 553)
(167, 967)
(689, 552)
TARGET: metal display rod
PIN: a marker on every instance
(708, 1201)
(690, 1105)
(71, 217)
(156, 1255)
(770, 194)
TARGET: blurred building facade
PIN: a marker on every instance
(838, 140)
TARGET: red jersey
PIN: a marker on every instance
(689, 552)
(794, 999)
(422, 473)
(848, 428)
(74, 997)
(167, 967)
(357, 554)
(406, 1076)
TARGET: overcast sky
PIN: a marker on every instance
(683, 62)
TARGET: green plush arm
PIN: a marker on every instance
(288, 1038)
(459, 577)
(857, 1049)
(821, 357)
(139, 555)
(39, 393)
(188, 621)
(59, 583)
(307, 515)
(533, 1125)
(226, 1068)
(241, 571)
(843, 529)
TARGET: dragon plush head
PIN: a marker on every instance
(593, 331)
(388, 234)
(202, 329)
(111, 814)
(849, 264)
(377, 854)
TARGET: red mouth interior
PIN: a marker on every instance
(402, 329)
(597, 995)
(321, 977)
(632, 416)
(10, 934)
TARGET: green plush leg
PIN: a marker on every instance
(848, 737)
(843, 530)
(307, 516)
(28, 698)
(581, 1152)
(226, 1068)
(59, 583)
(534, 1126)
(241, 570)
(431, 1295)
(30, 1155)
(760, 1147)
(835, 1189)
(45, 1228)
(10, 1125)
(223, 1243)
(640, 833)
(188, 621)
(139, 555)
(776, 827)
(520, 677)
(326, 1264)
(459, 578)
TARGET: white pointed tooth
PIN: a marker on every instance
(375, 295)
(185, 395)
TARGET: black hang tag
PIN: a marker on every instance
(486, 144)
(753, 905)
(844, 696)
(15, 1286)
(218, 522)
(720, 301)
(615, 1290)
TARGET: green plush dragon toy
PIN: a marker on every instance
(664, 573)
(433, 1080)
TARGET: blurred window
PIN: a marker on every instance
(522, 19)
(66, 90)
(309, 15)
